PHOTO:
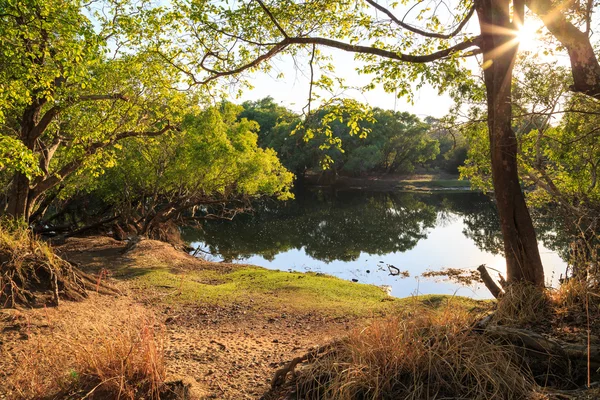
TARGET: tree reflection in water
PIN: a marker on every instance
(333, 226)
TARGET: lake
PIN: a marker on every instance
(362, 236)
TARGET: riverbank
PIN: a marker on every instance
(223, 329)
(422, 183)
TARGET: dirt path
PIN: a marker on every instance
(224, 351)
(233, 353)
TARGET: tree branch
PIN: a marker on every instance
(41, 185)
(49, 116)
(438, 55)
(417, 59)
(272, 18)
(584, 64)
(421, 32)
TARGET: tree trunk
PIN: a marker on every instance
(523, 261)
(17, 200)
(19, 195)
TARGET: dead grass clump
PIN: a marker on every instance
(521, 305)
(31, 274)
(420, 356)
(573, 295)
(124, 362)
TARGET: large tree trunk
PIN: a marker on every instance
(18, 201)
(18, 197)
(523, 261)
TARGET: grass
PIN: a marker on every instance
(298, 291)
(295, 291)
(418, 353)
(522, 305)
(154, 271)
(124, 362)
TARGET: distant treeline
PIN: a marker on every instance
(395, 142)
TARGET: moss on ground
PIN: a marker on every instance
(271, 289)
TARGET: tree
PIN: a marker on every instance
(559, 149)
(214, 160)
(245, 34)
(70, 92)
(396, 142)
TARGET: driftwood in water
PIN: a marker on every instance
(489, 282)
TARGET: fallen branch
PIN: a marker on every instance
(489, 282)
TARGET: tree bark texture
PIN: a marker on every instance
(499, 48)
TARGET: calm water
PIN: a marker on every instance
(355, 235)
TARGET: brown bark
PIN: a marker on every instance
(523, 261)
(585, 68)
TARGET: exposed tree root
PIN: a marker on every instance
(31, 274)
(281, 374)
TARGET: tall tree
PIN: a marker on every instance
(241, 36)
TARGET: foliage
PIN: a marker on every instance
(74, 83)
(213, 159)
(390, 141)
(559, 148)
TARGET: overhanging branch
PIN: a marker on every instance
(421, 32)
(389, 54)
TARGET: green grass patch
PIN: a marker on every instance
(269, 288)
(277, 290)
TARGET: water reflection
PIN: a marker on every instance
(341, 233)
(328, 227)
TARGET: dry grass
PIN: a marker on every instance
(118, 362)
(419, 355)
(522, 305)
(571, 294)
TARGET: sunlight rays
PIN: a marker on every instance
(525, 36)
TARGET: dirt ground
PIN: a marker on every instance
(224, 351)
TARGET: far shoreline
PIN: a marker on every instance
(419, 183)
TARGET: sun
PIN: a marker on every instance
(527, 37)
